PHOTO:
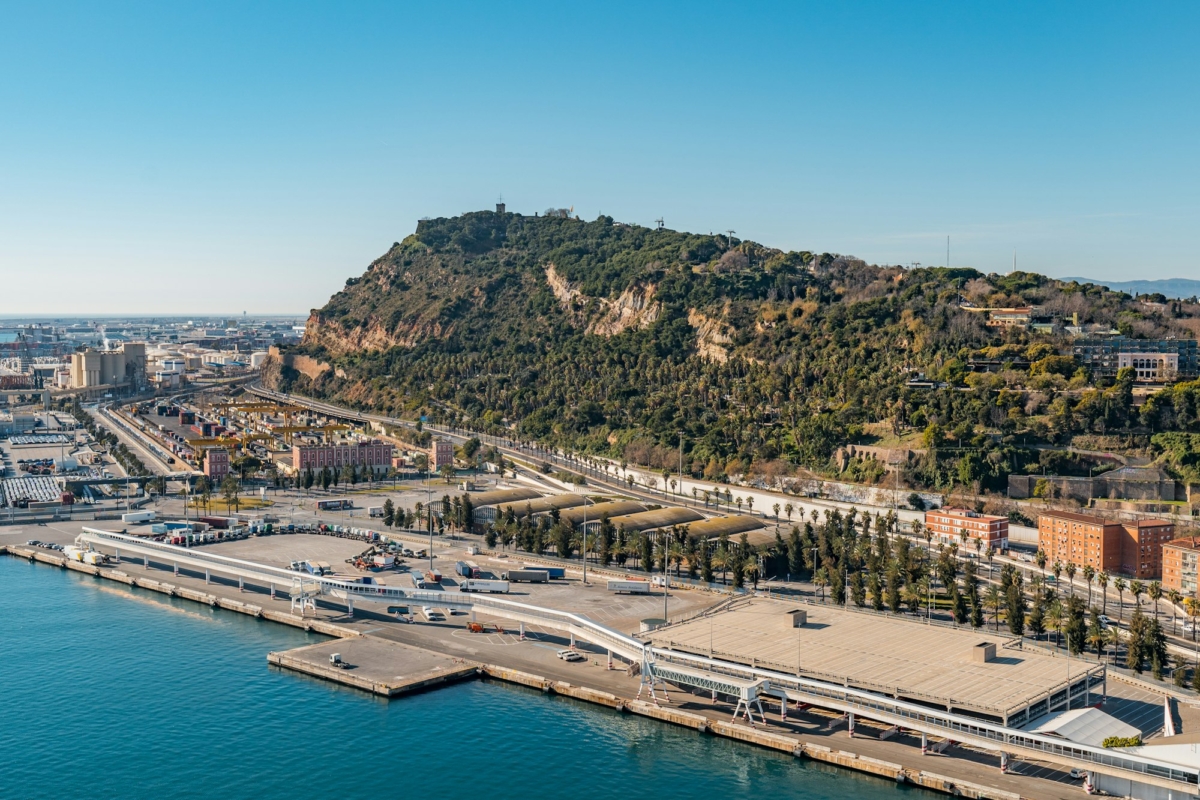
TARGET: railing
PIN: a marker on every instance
(588, 629)
(953, 725)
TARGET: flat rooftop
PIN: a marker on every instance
(929, 664)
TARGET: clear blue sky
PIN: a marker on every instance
(209, 157)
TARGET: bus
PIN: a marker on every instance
(333, 505)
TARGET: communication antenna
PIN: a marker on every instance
(660, 223)
(730, 235)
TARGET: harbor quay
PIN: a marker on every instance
(391, 648)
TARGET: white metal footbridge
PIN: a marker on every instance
(746, 683)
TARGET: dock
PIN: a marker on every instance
(379, 666)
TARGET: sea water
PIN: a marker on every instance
(113, 692)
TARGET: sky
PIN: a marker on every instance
(190, 158)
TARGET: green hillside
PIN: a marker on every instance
(612, 338)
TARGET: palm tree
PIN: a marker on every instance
(740, 501)
(1174, 598)
(1155, 592)
(1137, 589)
(1040, 558)
(1089, 572)
(1057, 570)
(1112, 638)
(821, 580)
(788, 508)
(1191, 607)
(721, 561)
(1070, 570)
(1055, 617)
(911, 594)
(675, 555)
(776, 508)
(1102, 579)
(992, 600)
(750, 504)
(1096, 637)
(1119, 585)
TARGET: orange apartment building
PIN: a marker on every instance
(1134, 549)
(1181, 566)
(947, 525)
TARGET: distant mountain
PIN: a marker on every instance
(1170, 287)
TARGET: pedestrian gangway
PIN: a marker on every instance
(350, 592)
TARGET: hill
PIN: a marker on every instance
(1177, 288)
(605, 337)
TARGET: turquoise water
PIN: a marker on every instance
(111, 692)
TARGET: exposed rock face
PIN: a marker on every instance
(711, 336)
(338, 340)
(634, 308)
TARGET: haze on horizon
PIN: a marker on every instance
(210, 159)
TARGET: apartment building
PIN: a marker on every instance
(1134, 549)
(1181, 565)
(948, 524)
(216, 464)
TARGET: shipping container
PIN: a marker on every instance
(555, 573)
(527, 575)
(632, 587)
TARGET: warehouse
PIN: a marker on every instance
(542, 505)
(730, 526)
(487, 504)
(651, 520)
(576, 516)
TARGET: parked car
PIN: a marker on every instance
(570, 655)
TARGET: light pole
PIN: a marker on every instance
(429, 521)
(583, 550)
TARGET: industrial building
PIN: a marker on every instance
(613, 508)
(959, 670)
(373, 454)
(947, 526)
(487, 504)
(1134, 549)
(124, 366)
(649, 520)
(542, 505)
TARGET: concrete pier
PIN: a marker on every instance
(379, 666)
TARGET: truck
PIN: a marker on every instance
(481, 585)
(383, 561)
(375, 511)
(432, 576)
(555, 573)
(137, 516)
(527, 575)
(334, 505)
(466, 569)
(311, 567)
(632, 587)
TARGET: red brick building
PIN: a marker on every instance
(947, 525)
(216, 464)
(374, 454)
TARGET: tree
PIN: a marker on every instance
(447, 472)
(230, 490)
(1137, 589)
(1102, 581)
(1119, 585)
(992, 598)
(1070, 570)
(389, 512)
(1155, 593)
(1089, 572)
(1016, 606)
